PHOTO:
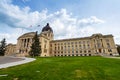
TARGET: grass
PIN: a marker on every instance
(65, 68)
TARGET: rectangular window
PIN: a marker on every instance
(71, 42)
(109, 50)
(76, 51)
(28, 40)
(68, 52)
(58, 47)
(84, 46)
(65, 47)
(72, 46)
(68, 43)
(68, 47)
(76, 45)
(108, 45)
(45, 46)
(64, 43)
(80, 51)
(55, 48)
(88, 46)
(89, 51)
(72, 51)
(45, 41)
(87, 42)
(45, 50)
(61, 47)
(50, 45)
(98, 45)
(75, 42)
(83, 42)
(79, 45)
(80, 42)
(103, 50)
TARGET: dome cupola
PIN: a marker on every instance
(47, 28)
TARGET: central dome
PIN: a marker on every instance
(47, 28)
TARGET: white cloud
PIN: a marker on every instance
(67, 26)
(63, 23)
(90, 21)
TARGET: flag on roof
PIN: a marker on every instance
(30, 26)
(38, 26)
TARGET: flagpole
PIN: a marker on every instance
(21, 31)
(36, 28)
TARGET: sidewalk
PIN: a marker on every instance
(111, 57)
(13, 61)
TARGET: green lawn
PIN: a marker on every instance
(65, 68)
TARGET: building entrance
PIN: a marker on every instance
(99, 50)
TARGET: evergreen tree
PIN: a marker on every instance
(35, 48)
(118, 49)
(2, 47)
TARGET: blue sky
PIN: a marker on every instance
(68, 18)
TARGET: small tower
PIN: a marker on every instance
(45, 37)
(48, 32)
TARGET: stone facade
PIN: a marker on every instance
(25, 41)
(97, 44)
(10, 49)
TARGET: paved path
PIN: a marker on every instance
(113, 57)
(9, 61)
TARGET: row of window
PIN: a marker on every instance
(73, 47)
(68, 43)
(80, 46)
(58, 52)
(23, 51)
(26, 40)
(76, 52)
(98, 40)
(80, 42)
(75, 55)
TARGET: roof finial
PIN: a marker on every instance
(47, 24)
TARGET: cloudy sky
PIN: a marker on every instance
(68, 18)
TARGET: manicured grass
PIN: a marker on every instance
(65, 68)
